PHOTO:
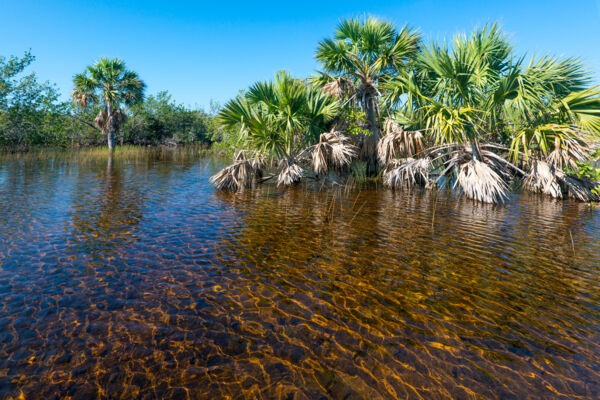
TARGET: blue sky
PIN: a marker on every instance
(201, 51)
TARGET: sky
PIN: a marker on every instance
(202, 51)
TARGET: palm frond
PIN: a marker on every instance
(478, 181)
(542, 179)
(240, 175)
(334, 150)
(405, 173)
(289, 174)
(398, 143)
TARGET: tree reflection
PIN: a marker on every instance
(104, 215)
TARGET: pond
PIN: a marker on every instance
(133, 278)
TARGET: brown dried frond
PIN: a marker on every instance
(340, 88)
(120, 117)
(407, 173)
(319, 157)
(112, 123)
(241, 174)
(290, 173)
(101, 120)
(548, 179)
(333, 150)
(578, 188)
(572, 151)
(398, 143)
(542, 179)
(480, 182)
(81, 99)
(367, 88)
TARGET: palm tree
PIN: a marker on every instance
(278, 122)
(108, 84)
(362, 54)
(477, 103)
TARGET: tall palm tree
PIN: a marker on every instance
(363, 53)
(109, 84)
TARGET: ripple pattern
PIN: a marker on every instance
(132, 278)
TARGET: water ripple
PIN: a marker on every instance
(134, 279)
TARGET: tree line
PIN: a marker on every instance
(32, 113)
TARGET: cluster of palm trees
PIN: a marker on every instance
(471, 114)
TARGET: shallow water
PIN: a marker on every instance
(135, 279)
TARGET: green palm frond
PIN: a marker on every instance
(583, 109)
(279, 116)
(561, 145)
(365, 49)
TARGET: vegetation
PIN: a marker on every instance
(277, 121)
(471, 114)
(29, 110)
(160, 120)
(360, 57)
(32, 115)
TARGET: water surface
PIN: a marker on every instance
(135, 279)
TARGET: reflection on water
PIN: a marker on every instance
(133, 278)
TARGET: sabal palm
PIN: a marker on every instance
(280, 117)
(365, 52)
(109, 84)
(477, 91)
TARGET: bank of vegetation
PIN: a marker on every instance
(470, 114)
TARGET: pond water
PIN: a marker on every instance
(135, 279)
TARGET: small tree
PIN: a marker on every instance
(110, 84)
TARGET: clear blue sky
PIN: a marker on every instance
(200, 51)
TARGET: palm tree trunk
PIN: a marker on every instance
(369, 144)
(110, 134)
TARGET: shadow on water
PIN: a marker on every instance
(131, 277)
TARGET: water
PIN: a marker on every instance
(135, 279)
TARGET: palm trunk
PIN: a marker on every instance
(110, 134)
(369, 144)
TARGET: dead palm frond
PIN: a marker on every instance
(319, 157)
(578, 188)
(542, 179)
(407, 172)
(240, 175)
(111, 123)
(340, 88)
(290, 173)
(481, 182)
(333, 150)
(547, 179)
(398, 143)
(568, 152)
